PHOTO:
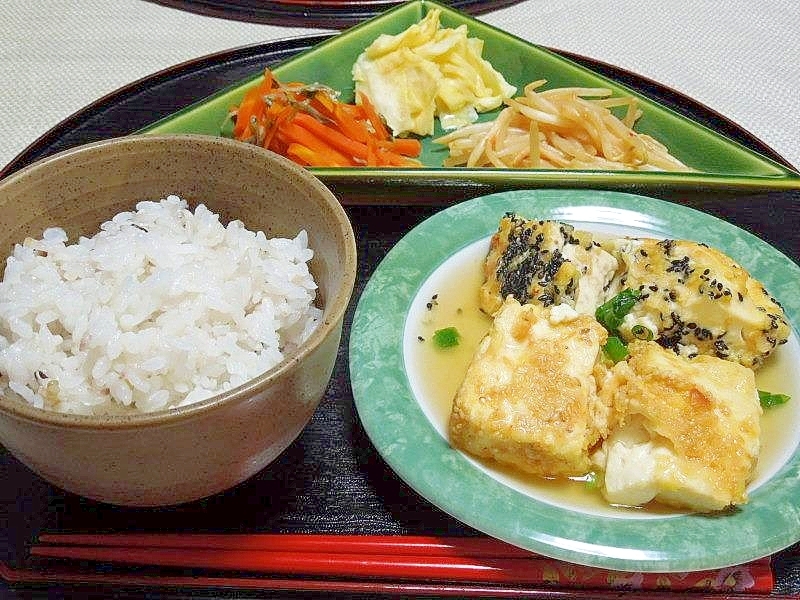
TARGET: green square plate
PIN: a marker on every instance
(723, 166)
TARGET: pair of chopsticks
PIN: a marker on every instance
(395, 558)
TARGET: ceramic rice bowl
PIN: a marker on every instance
(181, 454)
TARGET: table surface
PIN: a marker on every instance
(738, 58)
(57, 56)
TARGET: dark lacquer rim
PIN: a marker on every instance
(335, 14)
(276, 51)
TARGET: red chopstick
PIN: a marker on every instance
(419, 558)
(54, 574)
(320, 564)
(305, 542)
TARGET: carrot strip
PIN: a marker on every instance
(333, 137)
(252, 105)
(308, 157)
(313, 128)
(324, 103)
(300, 154)
(373, 117)
(350, 127)
(404, 146)
(291, 133)
(283, 115)
(391, 159)
(372, 153)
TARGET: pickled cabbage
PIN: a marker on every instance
(426, 72)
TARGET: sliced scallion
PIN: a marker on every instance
(640, 332)
(768, 399)
(610, 314)
(615, 349)
(447, 337)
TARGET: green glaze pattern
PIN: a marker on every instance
(720, 162)
(410, 444)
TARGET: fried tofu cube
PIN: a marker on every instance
(529, 398)
(688, 434)
(697, 300)
(546, 263)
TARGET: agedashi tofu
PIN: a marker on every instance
(529, 398)
(671, 416)
(689, 430)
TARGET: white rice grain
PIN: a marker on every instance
(161, 308)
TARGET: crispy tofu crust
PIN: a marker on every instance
(689, 430)
(700, 299)
(696, 299)
(545, 263)
(677, 422)
(529, 398)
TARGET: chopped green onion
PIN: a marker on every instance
(591, 481)
(447, 337)
(610, 314)
(615, 349)
(768, 400)
(640, 332)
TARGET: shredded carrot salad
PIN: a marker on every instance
(309, 125)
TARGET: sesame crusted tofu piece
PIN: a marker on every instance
(688, 434)
(529, 398)
(545, 262)
(697, 300)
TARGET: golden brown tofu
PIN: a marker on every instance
(688, 434)
(546, 263)
(694, 299)
(697, 300)
(529, 398)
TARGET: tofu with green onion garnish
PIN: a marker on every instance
(671, 416)
(546, 263)
(696, 300)
(688, 434)
(692, 299)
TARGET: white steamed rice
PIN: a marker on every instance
(161, 308)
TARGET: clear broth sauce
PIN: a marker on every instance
(449, 298)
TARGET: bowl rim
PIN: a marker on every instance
(333, 311)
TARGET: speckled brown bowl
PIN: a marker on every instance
(174, 456)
